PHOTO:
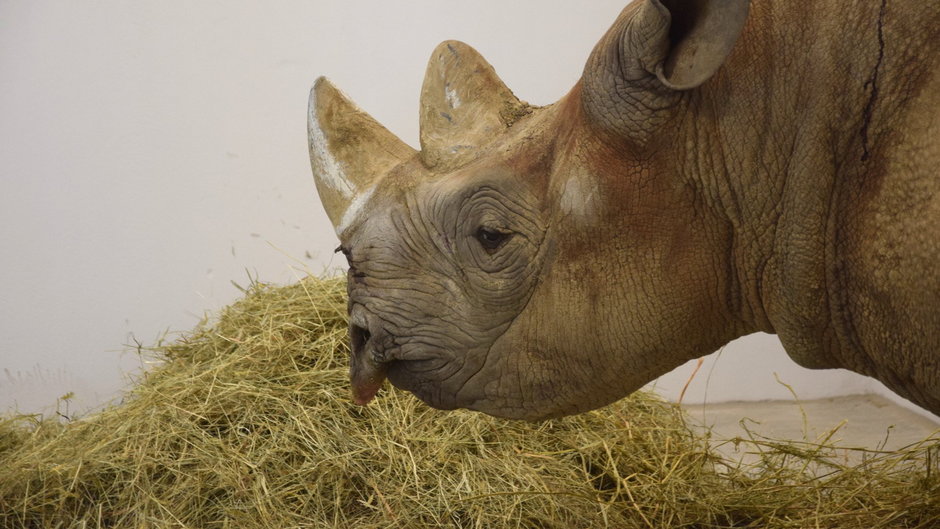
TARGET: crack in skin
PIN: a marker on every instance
(873, 83)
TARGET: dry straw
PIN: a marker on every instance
(247, 424)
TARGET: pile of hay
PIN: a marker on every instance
(248, 424)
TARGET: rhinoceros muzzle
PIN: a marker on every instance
(367, 366)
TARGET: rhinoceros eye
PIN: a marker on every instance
(491, 239)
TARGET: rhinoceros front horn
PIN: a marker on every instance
(348, 151)
(464, 104)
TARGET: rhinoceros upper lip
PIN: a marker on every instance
(366, 377)
(367, 368)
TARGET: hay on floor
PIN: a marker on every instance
(247, 423)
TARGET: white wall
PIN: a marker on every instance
(153, 151)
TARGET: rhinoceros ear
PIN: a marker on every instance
(655, 48)
(701, 34)
(348, 150)
(682, 42)
(463, 105)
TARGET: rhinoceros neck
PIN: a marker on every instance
(781, 139)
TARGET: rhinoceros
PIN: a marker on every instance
(722, 167)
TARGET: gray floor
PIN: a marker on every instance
(863, 421)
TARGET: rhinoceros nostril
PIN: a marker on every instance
(358, 337)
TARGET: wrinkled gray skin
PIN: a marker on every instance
(647, 219)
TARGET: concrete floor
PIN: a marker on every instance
(867, 421)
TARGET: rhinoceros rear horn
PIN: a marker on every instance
(463, 105)
(348, 150)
